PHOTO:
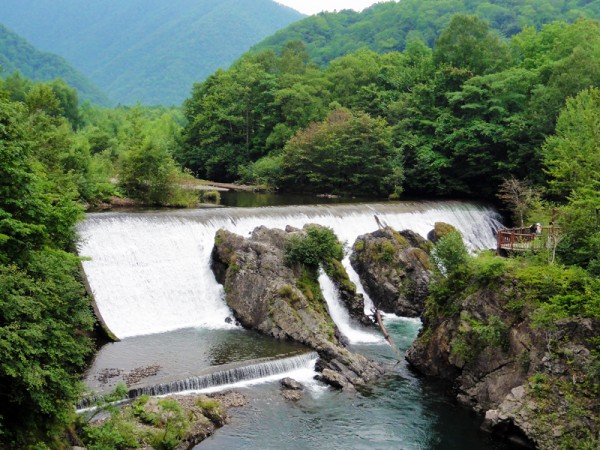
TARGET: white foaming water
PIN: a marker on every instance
(303, 375)
(150, 271)
(340, 316)
(368, 305)
(244, 375)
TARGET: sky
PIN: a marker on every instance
(316, 6)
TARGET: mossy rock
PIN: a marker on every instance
(440, 229)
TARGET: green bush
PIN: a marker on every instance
(474, 336)
(116, 433)
(387, 251)
(175, 422)
(450, 253)
(489, 268)
(559, 292)
(314, 248)
(266, 171)
(211, 196)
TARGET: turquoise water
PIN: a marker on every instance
(401, 411)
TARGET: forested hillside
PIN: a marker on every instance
(146, 50)
(390, 26)
(451, 121)
(16, 54)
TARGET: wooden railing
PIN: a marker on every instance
(522, 239)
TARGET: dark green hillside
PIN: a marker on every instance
(16, 54)
(150, 51)
(389, 26)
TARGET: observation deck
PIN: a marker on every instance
(522, 239)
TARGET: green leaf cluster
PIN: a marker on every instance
(313, 248)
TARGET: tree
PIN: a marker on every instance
(572, 161)
(566, 58)
(227, 115)
(345, 154)
(43, 306)
(519, 196)
(572, 154)
(21, 201)
(148, 173)
(69, 101)
(450, 254)
(468, 43)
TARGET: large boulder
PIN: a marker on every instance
(394, 268)
(268, 294)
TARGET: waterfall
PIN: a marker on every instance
(150, 271)
(222, 379)
(340, 315)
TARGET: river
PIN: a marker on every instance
(151, 278)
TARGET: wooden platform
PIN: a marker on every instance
(521, 239)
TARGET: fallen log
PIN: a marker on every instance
(386, 335)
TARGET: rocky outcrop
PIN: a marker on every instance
(284, 300)
(527, 381)
(394, 269)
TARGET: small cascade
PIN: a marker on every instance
(369, 306)
(300, 366)
(340, 316)
(222, 378)
(150, 271)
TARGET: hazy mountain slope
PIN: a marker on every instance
(147, 50)
(388, 26)
(16, 54)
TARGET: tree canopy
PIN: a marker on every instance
(464, 116)
(392, 26)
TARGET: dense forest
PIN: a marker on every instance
(17, 55)
(391, 26)
(56, 159)
(452, 121)
(477, 115)
(147, 51)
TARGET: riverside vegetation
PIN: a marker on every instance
(463, 118)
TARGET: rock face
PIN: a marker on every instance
(394, 269)
(506, 369)
(284, 301)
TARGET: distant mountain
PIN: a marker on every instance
(389, 26)
(151, 51)
(16, 54)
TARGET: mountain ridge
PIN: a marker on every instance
(147, 50)
(18, 55)
(389, 26)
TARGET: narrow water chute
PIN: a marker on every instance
(340, 316)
